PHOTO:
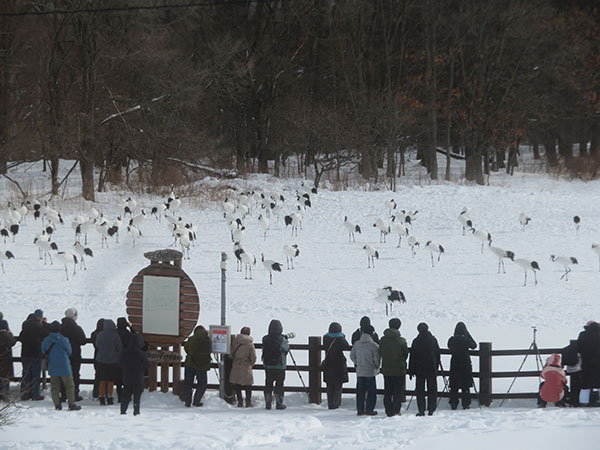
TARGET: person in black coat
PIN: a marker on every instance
(123, 330)
(133, 362)
(588, 344)
(33, 332)
(74, 333)
(423, 363)
(93, 336)
(461, 369)
(335, 371)
(364, 322)
(7, 341)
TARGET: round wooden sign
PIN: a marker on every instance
(189, 303)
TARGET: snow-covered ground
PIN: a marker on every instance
(330, 282)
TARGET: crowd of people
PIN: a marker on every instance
(120, 363)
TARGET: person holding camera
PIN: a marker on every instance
(274, 355)
(34, 330)
(365, 355)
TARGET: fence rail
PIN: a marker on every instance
(315, 388)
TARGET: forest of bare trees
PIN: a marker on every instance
(246, 85)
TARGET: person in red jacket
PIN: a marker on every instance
(552, 389)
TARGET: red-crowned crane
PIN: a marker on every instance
(388, 295)
(45, 247)
(237, 251)
(249, 260)
(524, 220)
(390, 206)
(483, 237)
(264, 224)
(351, 227)
(5, 255)
(465, 220)
(291, 251)
(134, 233)
(271, 266)
(83, 229)
(577, 222)
(400, 230)
(293, 219)
(372, 254)
(82, 251)
(412, 243)
(434, 247)
(384, 229)
(67, 258)
(526, 265)
(501, 254)
(566, 262)
(596, 250)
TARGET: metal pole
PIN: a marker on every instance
(223, 322)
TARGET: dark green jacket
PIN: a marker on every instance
(198, 349)
(393, 351)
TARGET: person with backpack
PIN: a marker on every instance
(197, 365)
(394, 352)
(133, 362)
(243, 355)
(554, 386)
(365, 355)
(461, 369)
(423, 363)
(364, 322)
(57, 349)
(335, 370)
(274, 355)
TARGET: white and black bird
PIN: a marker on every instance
(293, 220)
(134, 233)
(352, 228)
(390, 205)
(526, 265)
(412, 243)
(237, 251)
(45, 247)
(291, 252)
(82, 229)
(248, 260)
(389, 296)
(577, 222)
(596, 250)
(5, 255)
(237, 234)
(400, 230)
(264, 224)
(566, 262)
(82, 251)
(501, 254)
(434, 247)
(465, 220)
(482, 236)
(271, 266)
(137, 220)
(524, 220)
(384, 229)
(67, 258)
(372, 254)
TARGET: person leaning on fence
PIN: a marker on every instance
(76, 336)
(364, 322)
(7, 341)
(93, 336)
(243, 355)
(109, 349)
(572, 360)
(554, 386)
(588, 344)
(394, 352)
(423, 363)
(274, 357)
(133, 361)
(461, 369)
(197, 365)
(124, 331)
(57, 349)
(335, 370)
(34, 330)
(365, 355)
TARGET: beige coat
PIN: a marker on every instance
(244, 357)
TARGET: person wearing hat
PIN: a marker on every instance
(76, 336)
(58, 349)
(588, 344)
(7, 341)
(365, 355)
(197, 364)
(33, 331)
(394, 352)
(243, 355)
(364, 322)
(335, 370)
(461, 369)
(423, 363)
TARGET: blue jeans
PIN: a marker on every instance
(366, 387)
(192, 374)
(32, 376)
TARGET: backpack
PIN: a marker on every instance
(271, 352)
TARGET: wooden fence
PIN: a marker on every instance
(314, 386)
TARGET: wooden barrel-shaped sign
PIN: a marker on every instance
(152, 306)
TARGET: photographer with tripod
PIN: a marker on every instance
(274, 357)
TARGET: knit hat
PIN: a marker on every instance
(553, 360)
(395, 323)
(55, 326)
(38, 313)
(422, 327)
(3, 325)
(246, 331)
(71, 313)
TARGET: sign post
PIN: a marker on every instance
(223, 355)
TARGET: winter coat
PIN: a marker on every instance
(276, 341)
(244, 357)
(32, 334)
(334, 366)
(95, 333)
(424, 355)
(133, 361)
(7, 341)
(394, 352)
(122, 330)
(108, 344)
(588, 344)
(555, 380)
(365, 354)
(74, 333)
(59, 364)
(198, 349)
(358, 333)
(461, 369)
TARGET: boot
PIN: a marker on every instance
(279, 402)
(58, 407)
(74, 407)
(102, 401)
(249, 403)
(110, 401)
(268, 400)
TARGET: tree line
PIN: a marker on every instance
(140, 85)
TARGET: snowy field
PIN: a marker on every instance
(330, 282)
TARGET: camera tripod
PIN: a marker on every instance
(538, 361)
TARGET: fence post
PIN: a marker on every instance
(485, 373)
(314, 369)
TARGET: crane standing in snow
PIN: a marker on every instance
(524, 220)
(384, 229)
(526, 265)
(264, 224)
(434, 247)
(67, 258)
(82, 251)
(249, 260)
(388, 295)
(566, 262)
(482, 236)
(412, 243)
(271, 266)
(291, 252)
(351, 228)
(577, 222)
(501, 254)
(372, 254)
(5, 255)
(596, 250)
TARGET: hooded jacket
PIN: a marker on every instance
(108, 344)
(461, 369)
(334, 365)
(364, 322)
(555, 379)
(133, 361)
(588, 344)
(244, 357)
(365, 354)
(394, 352)
(424, 355)
(198, 350)
(32, 334)
(7, 341)
(275, 340)
(74, 333)
(59, 364)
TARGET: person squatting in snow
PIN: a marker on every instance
(554, 386)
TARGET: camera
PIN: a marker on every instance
(290, 335)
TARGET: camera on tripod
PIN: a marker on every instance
(290, 335)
